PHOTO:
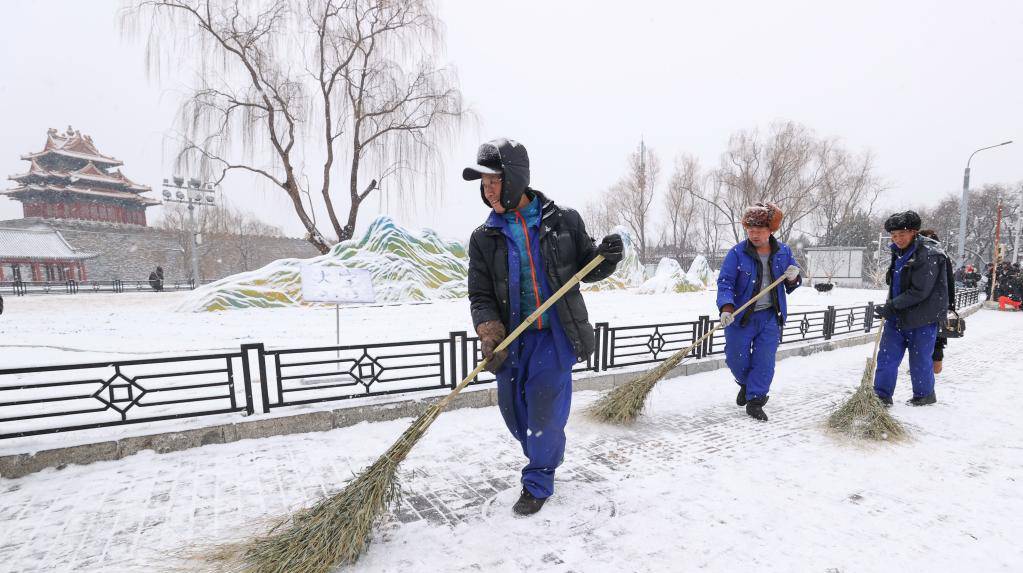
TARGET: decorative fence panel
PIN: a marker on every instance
(307, 375)
(80, 396)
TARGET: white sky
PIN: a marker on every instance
(921, 83)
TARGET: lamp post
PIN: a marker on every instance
(191, 193)
(962, 206)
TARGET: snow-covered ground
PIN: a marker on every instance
(67, 329)
(694, 486)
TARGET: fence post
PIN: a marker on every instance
(264, 394)
(700, 331)
(707, 345)
(264, 391)
(868, 318)
(453, 354)
(247, 378)
(607, 353)
(829, 322)
(600, 352)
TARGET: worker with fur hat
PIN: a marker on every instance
(917, 300)
(752, 336)
(527, 249)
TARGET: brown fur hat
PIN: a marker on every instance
(763, 215)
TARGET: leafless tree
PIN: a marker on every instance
(680, 204)
(849, 190)
(787, 168)
(634, 193)
(286, 86)
(980, 228)
(231, 239)
(710, 223)
(601, 215)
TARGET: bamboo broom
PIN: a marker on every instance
(337, 529)
(624, 404)
(863, 415)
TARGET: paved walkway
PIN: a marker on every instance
(696, 485)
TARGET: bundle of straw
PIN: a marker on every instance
(336, 530)
(863, 415)
(625, 403)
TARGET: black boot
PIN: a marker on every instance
(527, 504)
(923, 400)
(740, 399)
(886, 402)
(755, 408)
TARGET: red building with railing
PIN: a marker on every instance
(39, 255)
(71, 179)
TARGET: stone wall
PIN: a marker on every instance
(130, 252)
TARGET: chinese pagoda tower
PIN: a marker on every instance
(71, 179)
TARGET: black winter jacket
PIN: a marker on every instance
(923, 286)
(565, 247)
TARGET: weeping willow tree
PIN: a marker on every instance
(306, 93)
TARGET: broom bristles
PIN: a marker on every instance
(864, 416)
(337, 529)
(625, 403)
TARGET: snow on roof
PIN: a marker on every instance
(89, 171)
(37, 243)
(73, 144)
(123, 195)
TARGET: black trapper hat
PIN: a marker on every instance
(508, 158)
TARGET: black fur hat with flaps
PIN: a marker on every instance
(907, 220)
(508, 158)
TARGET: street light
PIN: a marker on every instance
(962, 206)
(192, 194)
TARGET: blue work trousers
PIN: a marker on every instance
(535, 399)
(750, 351)
(894, 343)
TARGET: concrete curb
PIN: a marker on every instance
(19, 465)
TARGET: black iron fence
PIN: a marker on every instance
(49, 399)
(22, 288)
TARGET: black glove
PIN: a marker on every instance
(491, 334)
(611, 248)
(884, 311)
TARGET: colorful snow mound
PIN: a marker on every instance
(405, 266)
(629, 272)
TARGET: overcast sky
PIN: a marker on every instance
(920, 83)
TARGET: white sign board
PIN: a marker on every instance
(336, 284)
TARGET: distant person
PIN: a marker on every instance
(917, 300)
(156, 279)
(752, 338)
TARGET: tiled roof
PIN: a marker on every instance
(123, 195)
(72, 144)
(41, 243)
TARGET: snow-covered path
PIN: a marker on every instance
(694, 486)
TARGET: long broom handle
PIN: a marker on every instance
(525, 324)
(674, 359)
(877, 346)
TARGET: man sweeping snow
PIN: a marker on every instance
(752, 337)
(917, 300)
(527, 249)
